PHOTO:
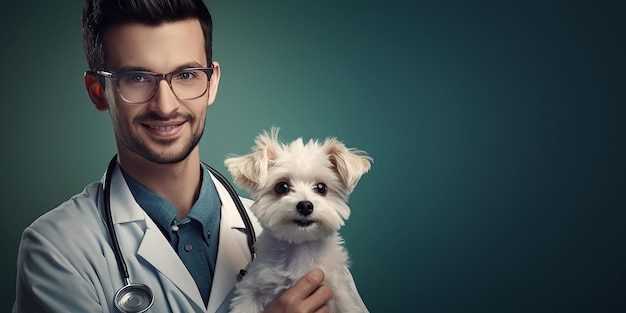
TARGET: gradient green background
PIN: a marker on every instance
(497, 130)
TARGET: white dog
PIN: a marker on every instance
(300, 192)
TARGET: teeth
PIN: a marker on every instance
(162, 128)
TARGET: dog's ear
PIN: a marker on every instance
(250, 170)
(350, 164)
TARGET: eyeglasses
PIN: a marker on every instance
(137, 87)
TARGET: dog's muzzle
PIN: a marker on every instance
(305, 208)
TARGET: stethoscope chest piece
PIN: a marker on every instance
(134, 298)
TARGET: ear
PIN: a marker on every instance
(96, 91)
(350, 164)
(214, 82)
(250, 170)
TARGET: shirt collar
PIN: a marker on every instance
(205, 210)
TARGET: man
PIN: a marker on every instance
(178, 231)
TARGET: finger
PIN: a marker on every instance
(306, 285)
(319, 298)
(324, 309)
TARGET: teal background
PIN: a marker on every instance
(497, 130)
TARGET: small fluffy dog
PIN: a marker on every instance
(300, 192)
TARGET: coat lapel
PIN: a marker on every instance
(126, 213)
(167, 262)
(233, 253)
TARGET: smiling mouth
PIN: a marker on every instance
(162, 128)
(303, 222)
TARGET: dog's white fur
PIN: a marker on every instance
(286, 250)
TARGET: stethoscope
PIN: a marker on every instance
(137, 297)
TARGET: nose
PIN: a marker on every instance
(305, 207)
(164, 101)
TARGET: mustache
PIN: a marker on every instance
(151, 116)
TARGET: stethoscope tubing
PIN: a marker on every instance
(242, 210)
(121, 264)
(119, 257)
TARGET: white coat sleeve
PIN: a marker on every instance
(47, 281)
(355, 292)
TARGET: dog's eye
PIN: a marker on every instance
(321, 188)
(282, 188)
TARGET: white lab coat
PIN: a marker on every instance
(66, 263)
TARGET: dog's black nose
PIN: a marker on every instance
(305, 207)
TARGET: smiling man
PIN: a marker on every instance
(158, 120)
(159, 217)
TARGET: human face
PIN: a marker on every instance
(166, 129)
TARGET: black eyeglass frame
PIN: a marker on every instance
(167, 77)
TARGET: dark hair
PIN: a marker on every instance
(98, 15)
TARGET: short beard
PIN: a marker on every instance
(142, 149)
(139, 147)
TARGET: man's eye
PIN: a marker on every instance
(139, 78)
(281, 188)
(136, 78)
(186, 75)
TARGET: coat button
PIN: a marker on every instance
(188, 247)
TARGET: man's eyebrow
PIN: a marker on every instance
(190, 65)
(131, 69)
(139, 68)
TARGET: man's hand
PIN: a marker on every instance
(307, 295)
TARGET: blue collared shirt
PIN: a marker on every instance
(197, 237)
